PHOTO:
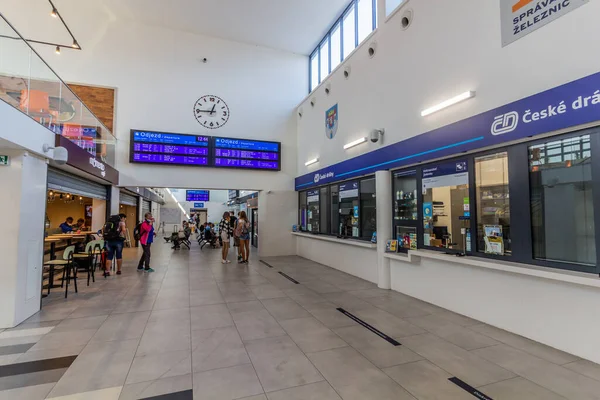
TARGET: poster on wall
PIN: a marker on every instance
(518, 18)
(331, 121)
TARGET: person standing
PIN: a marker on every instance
(243, 232)
(226, 231)
(236, 239)
(114, 246)
(146, 239)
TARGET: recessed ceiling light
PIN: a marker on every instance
(450, 102)
(54, 12)
(57, 49)
(75, 45)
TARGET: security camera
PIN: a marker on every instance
(61, 155)
(376, 134)
(205, 60)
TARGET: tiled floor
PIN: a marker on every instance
(198, 329)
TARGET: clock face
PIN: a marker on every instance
(211, 111)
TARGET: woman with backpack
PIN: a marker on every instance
(243, 232)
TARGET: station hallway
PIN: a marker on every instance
(198, 329)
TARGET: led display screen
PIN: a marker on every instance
(246, 154)
(169, 148)
(197, 195)
(166, 148)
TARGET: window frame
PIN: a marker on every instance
(352, 6)
(411, 223)
(520, 201)
(330, 210)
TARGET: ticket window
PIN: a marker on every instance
(446, 206)
(349, 210)
(314, 207)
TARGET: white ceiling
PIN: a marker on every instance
(290, 25)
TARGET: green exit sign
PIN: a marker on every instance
(4, 160)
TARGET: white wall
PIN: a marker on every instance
(277, 212)
(23, 204)
(159, 75)
(550, 312)
(451, 47)
(357, 261)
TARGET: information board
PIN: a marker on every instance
(150, 147)
(247, 154)
(348, 190)
(197, 195)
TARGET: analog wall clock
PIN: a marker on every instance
(211, 111)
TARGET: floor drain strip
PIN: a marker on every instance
(369, 327)
(266, 263)
(469, 389)
(290, 278)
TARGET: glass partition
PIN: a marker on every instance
(493, 204)
(368, 208)
(313, 221)
(335, 215)
(32, 87)
(562, 206)
(446, 206)
(349, 209)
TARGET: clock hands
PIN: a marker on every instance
(211, 112)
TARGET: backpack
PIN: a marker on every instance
(241, 229)
(110, 231)
(137, 232)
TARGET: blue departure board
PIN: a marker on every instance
(150, 147)
(197, 195)
(246, 154)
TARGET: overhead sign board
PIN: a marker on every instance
(198, 205)
(197, 195)
(4, 160)
(84, 161)
(519, 18)
(572, 104)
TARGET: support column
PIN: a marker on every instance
(22, 209)
(383, 187)
(115, 200)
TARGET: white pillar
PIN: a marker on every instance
(22, 210)
(115, 200)
(98, 214)
(383, 187)
(140, 216)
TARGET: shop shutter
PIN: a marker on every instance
(127, 199)
(145, 207)
(64, 182)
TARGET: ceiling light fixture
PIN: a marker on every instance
(450, 102)
(55, 14)
(311, 162)
(355, 143)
